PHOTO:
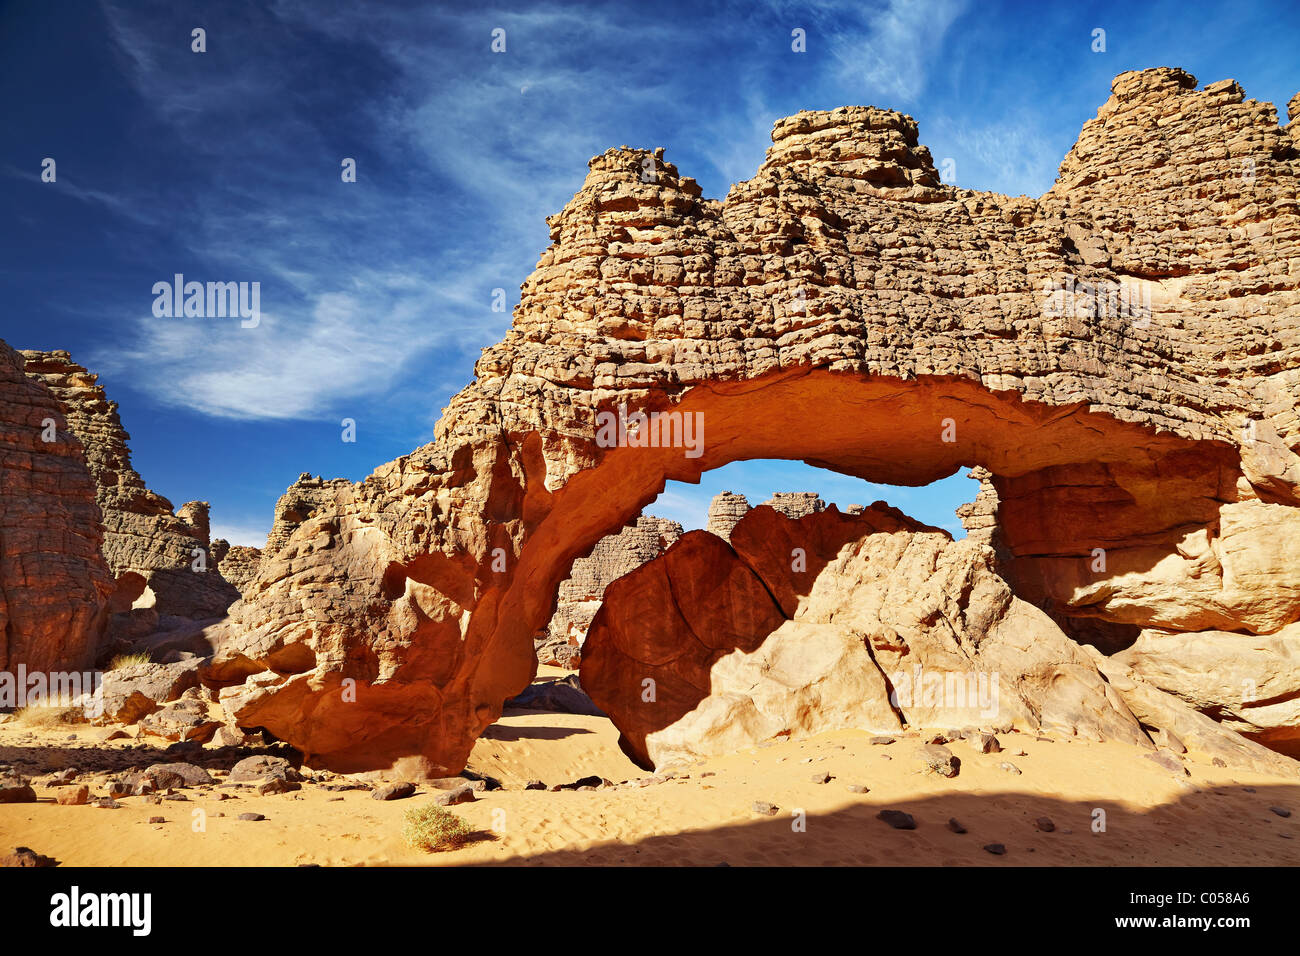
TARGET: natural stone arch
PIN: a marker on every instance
(844, 276)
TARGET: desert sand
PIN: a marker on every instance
(702, 815)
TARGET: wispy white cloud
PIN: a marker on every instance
(885, 49)
(353, 295)
(303, 361)
(63, 185)
(248, 536)
(363, 285)
(1006, 156)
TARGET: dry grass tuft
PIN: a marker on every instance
(433, 829)
(128, 660)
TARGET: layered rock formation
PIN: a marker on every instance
(580, 594)
(304, 498)
(796, 504)
(238, 563)
(725, 510)
(159, 558)
(1121, 355)
(54, 584)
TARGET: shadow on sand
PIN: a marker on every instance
(1218, 826)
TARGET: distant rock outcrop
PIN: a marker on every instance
(54, 584)
(579, 596)
(795, 504)
(159, 557)
(238, 563)
(725, 510)
(304, 498)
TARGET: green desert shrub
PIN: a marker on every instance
(433, 829)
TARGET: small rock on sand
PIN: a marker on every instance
(897, 819)
(940, 760)
(394, 791)
(25, 856)
(76, 797)
(450, 798)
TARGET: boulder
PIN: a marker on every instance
(131, 692)
(403, 789)
(15, 789)
(450, 798)
(74, 796)
(561, 696)
(25, 856)
(261, 766)
(176, 775)
(876, 620)
(185, 720)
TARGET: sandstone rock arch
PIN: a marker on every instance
(843, 307)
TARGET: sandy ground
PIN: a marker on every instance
(704, 816)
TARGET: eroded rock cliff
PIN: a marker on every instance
(1120, 355)
(159, 557)
(54, 584)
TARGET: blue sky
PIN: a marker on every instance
(376, 296)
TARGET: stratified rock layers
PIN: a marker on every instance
(847, 308)
(153, 553)
(238, 564)
(54, 585)
(725, 510)
(580, 594)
